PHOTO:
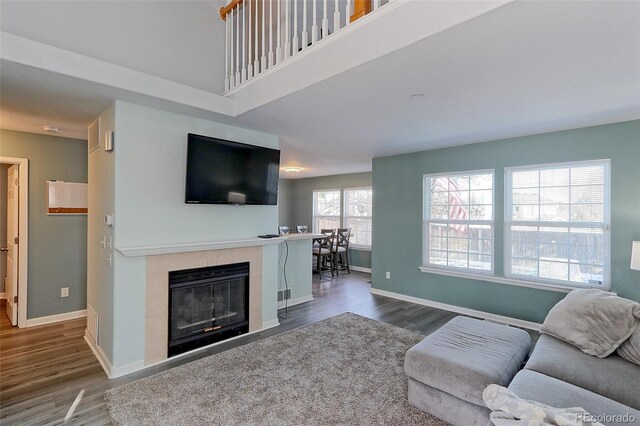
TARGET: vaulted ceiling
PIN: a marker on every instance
(523, 68)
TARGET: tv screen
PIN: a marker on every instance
(226, 172)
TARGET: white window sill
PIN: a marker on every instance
(501, 280)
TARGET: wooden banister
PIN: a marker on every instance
(224, 11)
(360, 8)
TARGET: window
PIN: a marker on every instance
(358, 215)
(326, 210)
(458, 222)
(557, 221)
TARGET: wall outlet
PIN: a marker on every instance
(64, 292)
(387, 275)
(287, 294)
(280, 295)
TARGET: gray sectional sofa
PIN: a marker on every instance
(561, 375)
(448, 371)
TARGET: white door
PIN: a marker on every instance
(11, 282)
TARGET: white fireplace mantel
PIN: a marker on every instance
(197, 246)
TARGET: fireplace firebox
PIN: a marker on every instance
(207, 305)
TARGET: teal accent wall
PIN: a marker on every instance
(57, 244)
(302, 203)
(397, 215)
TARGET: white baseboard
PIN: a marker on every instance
(269, 324)
(33, 322)
(99, 354)
(299, 300)
(3, 296)
(114, 372)
(460, 310)
(126, 369)
(361, 269)
(296, 301)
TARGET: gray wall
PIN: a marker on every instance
(398, 200)
(285, 202)
(3, 223)
(144, 189)
(302, 203)
(57, 244)
(101, 202)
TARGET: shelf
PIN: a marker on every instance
(199, 246)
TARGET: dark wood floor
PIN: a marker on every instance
(42, 369)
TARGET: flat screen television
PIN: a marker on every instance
(225, 172)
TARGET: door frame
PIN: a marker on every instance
(23, 232)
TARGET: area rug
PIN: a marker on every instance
(345, 370)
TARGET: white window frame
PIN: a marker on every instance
(605, 226)
(426, 221)
(345, 216)
(314, 216)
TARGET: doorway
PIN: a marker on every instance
(14, 237)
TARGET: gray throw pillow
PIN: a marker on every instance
(593, 320)
(630, 349)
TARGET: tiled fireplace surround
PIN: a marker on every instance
(157, 291)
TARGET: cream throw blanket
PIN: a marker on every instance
(508, 409)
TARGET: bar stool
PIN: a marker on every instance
(324, 252)
(283, 229)
(341, 250)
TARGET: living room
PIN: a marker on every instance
(461, 122)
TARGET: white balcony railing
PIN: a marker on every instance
(263, 33)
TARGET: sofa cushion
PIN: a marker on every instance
(466, 355)
(630, 349)
(593, 320)
(550, 391)
(612, 377)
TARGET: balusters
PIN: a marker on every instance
(278, 44)
(325, 20)
(295, 27)
(252, 47)
(244, 43)
(270, 33)
(237, 13)
(336, 16)
(314, 25)
(287, 26)
(227, 82)
(347, 13)
(250, 43)
(264, 51)
(256, 61)
(232, 77)
(305, 34)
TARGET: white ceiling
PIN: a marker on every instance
(524, 68)
(180, 40)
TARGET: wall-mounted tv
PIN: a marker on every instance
(225, 172)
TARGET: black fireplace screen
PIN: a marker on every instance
(207, 305)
